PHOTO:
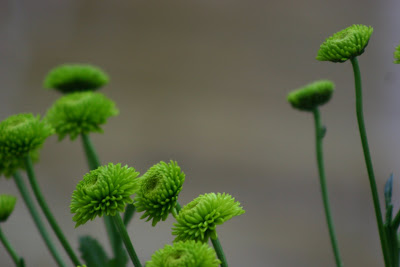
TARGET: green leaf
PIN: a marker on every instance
(92, 252)
(388, 191)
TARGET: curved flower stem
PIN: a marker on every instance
(368, 161)
(320, 160)
(219, 251)
(36, 218)
(17, 260)
(127, 241)
(47, 212)
(94, 162)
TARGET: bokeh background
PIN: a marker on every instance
(205, 83)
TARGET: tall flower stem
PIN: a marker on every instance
(127, 241)
(319, 134)
(36, 218)
(94, 162)
(368, 161)
(219, 251)
(46, 210)
(17, 260)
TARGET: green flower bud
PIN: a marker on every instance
(7, 204)
(312, 95)
(184, 254)
(159, 190)
(104, 191)
(198, 219)
(21, 135)
(69, 78)
(346, 44)
(396, 55)
(81, 112)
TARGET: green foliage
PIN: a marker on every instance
(345, 44)
(104, 191)
(396, 55)
(198, 219)
(81, 112)
(184, 254)
(70, 78)
(159, 190)
(21, 135)
(312, 95)
(92, 252)
(7, 204)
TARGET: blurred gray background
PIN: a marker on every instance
(205, 83)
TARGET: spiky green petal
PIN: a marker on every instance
(104, 191)
(396, 55)
(159, 190)
(184, 254)
(81, 112)
(312, 95)
(7, 204)
(198, 219)
(69, 78)
(20, 135)
(345, 44)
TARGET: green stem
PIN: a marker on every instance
(94, 162)
(17, 260)
(36, 218)
(127, 241)
(368, 161)
(219, 251)
(129, 212)
(46, 210)
(325, 199)
(396, 221)
(178, 207)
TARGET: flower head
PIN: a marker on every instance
(104, 191)
(198, 219)
(69, 78)
(81, 112)
(159, 190)
(184, 254)
(7, 204)
(312, 95)
(21, 135)
(396, 55)
(345, 44)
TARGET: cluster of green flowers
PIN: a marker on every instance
(106, 191)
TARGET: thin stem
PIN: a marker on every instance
(129, 212)
(94, 162)
(325, 199)
(127, 241)
(368, 161)
(219, 251)
(10, 249)
(178, 207)
(36, 218)
(46, 210)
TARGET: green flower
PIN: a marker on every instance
(7, 204)
(81, 112)
(396, 55)
(69, 78)
(346, 44)
(21, 135)
(104, 191)
(312, 95)
(198, 219)
(184, 254)
(159, 190)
